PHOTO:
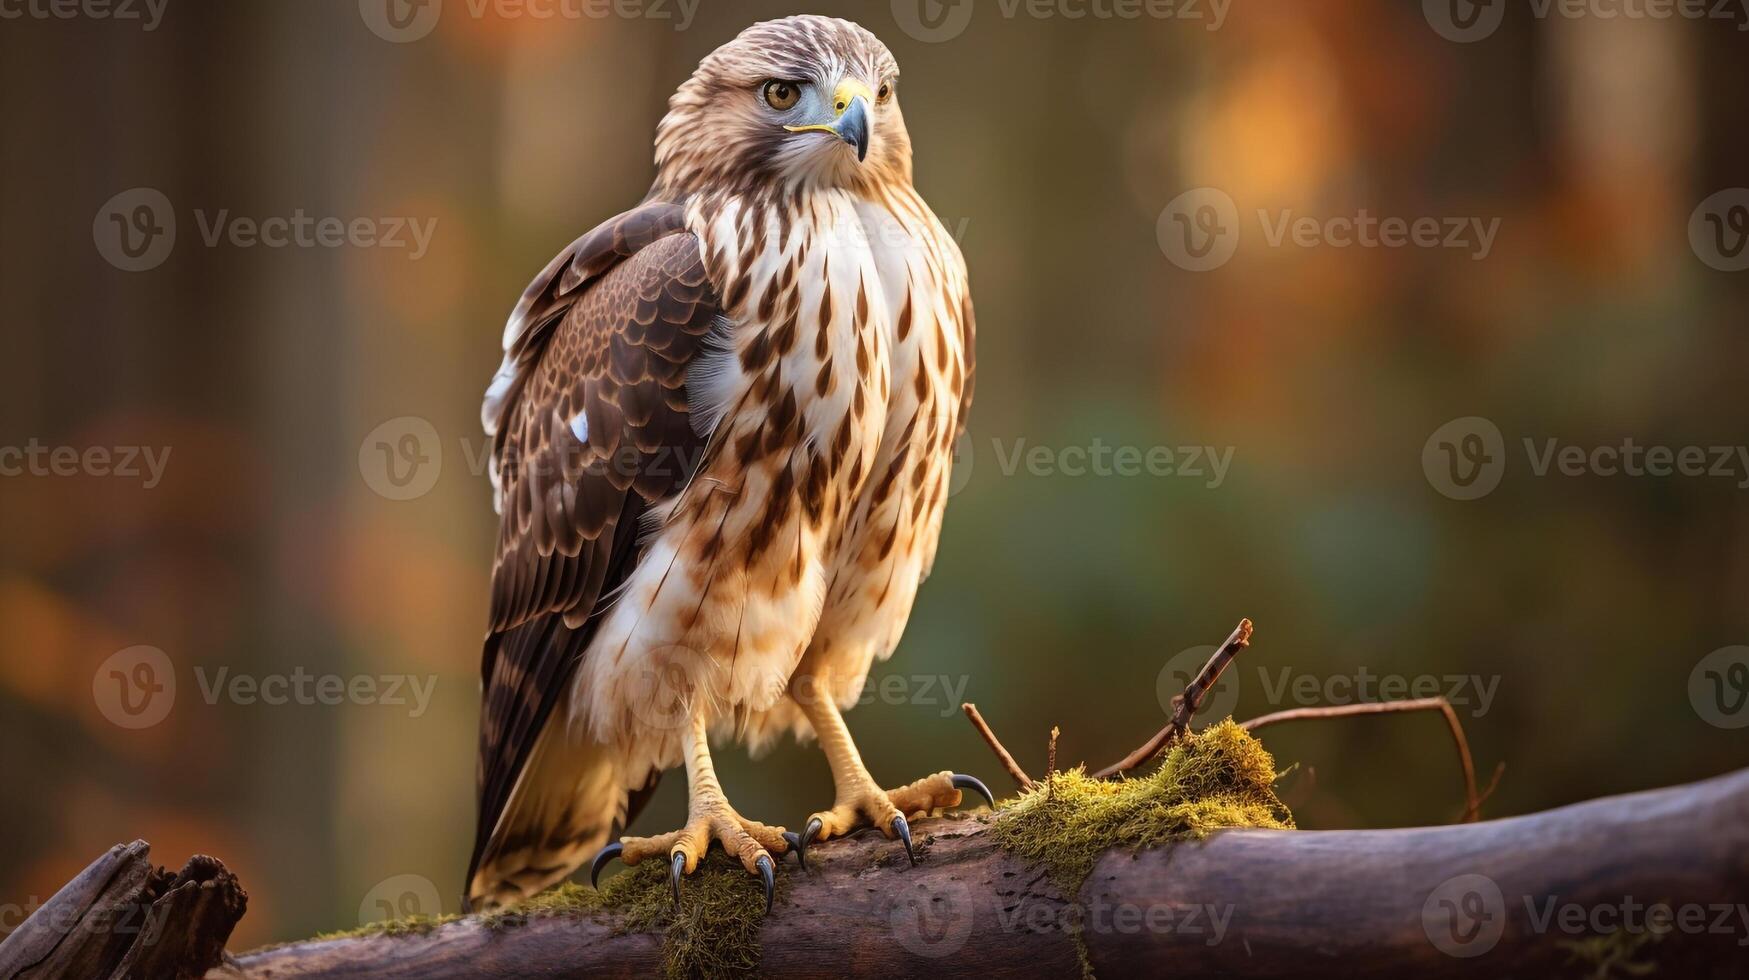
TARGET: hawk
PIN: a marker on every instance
(722, 435)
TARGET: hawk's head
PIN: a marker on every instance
(802, 101)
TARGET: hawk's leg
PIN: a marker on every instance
(708, 817)
(860, 801)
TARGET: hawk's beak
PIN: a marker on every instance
(850, 106)
(852, 127)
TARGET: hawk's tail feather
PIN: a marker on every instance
(563, 808)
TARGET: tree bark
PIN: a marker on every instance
(123, 919)
(1512, 897)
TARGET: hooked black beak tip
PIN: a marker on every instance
(852, 127)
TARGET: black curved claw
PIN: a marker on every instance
(795, 844)
(676, 868)
(963, 781)
(767, 874)
(904, 829)
(603, 856)
(800, 844)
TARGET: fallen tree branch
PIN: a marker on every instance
(121, 918)
(1021, 779)
(1186, 705)
(1458, 901)
(1472, 800)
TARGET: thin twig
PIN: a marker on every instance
(1302, 788)
(1472, 801)
(1493, 784)
(1051, 764)
(1021, 779)
(1186, 705)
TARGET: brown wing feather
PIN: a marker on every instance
(606, 334)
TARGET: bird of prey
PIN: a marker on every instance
(722, 435)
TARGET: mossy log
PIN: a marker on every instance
(124, 919)
(1244, 903)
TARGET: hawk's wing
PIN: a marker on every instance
(592, 428)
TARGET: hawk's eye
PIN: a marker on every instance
(782, 95)
(885, 93)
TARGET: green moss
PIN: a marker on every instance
(565, 898)
(1211, 781)
(714, 933)
(1614, 954)
(412, 925)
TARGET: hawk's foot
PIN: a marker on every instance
(865, 804)
(711, 819)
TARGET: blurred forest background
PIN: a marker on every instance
(287, 382)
